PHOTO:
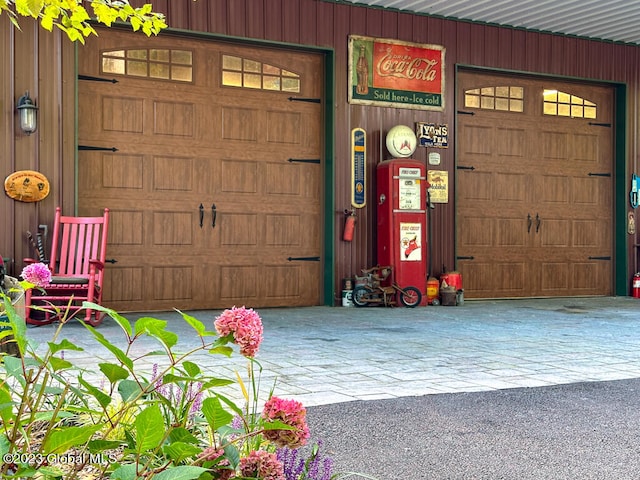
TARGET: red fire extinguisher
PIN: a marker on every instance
(635, 286)
(349, 225)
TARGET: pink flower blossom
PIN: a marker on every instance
(246, 326)
(263, 465)
(223, 469)
(37, 274)
(293, 414)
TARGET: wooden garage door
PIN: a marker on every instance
(209, 155)
(534, 187)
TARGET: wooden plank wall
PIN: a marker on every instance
(36, 60)
(44, 68)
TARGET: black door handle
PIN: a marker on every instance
(529, 222)
(201, 208)
(537, 222)
(214, 214)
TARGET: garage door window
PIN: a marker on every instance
(504, 98)
(563, 104)
(164, 64)
(246, 73)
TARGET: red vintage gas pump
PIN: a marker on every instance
(402, 231)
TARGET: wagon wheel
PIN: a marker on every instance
(410, 296)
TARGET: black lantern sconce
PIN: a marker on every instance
(27, 112)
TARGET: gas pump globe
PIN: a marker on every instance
(401, 198)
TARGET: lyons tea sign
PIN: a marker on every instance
(391, 73)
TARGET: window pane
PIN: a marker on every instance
(114, 53)
(487, 91)
(550, 95)
(576, 111)
(137, 54)
(517, 106)
(113, 65)
(550, 108)
(252, 81)
(182, 74)
(159, 55)
(271, 83)
(138, 69)
(251, 66)
(183, 57)
(517, 92)
(502, 104)
(487, 102)
(159, 70)
(563, 110)
(589, 112)
(291, 85)
(563, 97)
(286, 73)
(232, 79)
(472, 101)
(502, 92)
(231, 63)
(270, 70)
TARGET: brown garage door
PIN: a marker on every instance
(534, 187)
(211, 166)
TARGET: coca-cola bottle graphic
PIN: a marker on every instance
(362, 72)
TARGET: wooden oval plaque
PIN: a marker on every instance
(26, 186)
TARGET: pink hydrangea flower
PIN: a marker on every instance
(263, 465)
(246, 326)
(223, 469)
(37, 274)
(293, 414)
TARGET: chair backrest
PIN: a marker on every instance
(76, 241)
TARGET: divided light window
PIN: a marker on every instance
(164, 64)
(504, 98)
(563, 104)
(245, 73)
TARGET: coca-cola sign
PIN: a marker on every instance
(387, 72)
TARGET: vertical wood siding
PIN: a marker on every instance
(33, 63)
(36, 61)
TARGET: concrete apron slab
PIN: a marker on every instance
(322, 355)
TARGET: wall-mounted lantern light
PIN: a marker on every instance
(27, 111)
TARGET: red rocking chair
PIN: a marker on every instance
(78, 253)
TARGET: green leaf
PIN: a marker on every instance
(5, 445)
(180, 451)
(275, 425)
(214, 413)
(62, 439)
(222, 350)
(6, 405)
(156, 328)
(13, 367)
(102, 398)
(232, 454)
(191, 368)
(119, 354)
(150, 429)
(197, 325)
(96, 446)
(59, 364)
(181, 434)
(125, 472)
(183, 472)
(64, 345)
(113, 372)
(129, 390)
(120, 320)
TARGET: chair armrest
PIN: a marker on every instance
(97, 263)
(29, 261)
